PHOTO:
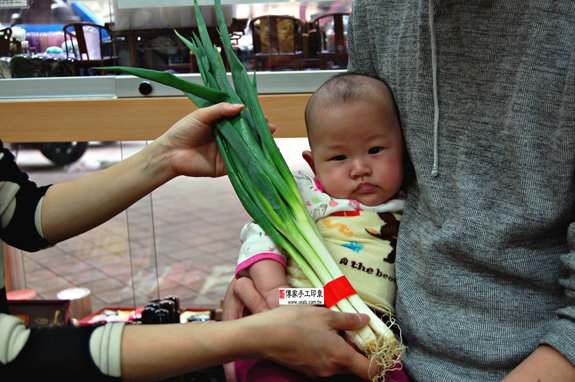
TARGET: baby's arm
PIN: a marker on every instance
(268, 276)
(263, 262)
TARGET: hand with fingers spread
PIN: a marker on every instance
(307, 339)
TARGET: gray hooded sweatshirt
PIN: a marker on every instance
(486, 250)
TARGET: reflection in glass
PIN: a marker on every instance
(145, 37)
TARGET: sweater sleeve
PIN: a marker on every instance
(13, 339)
(561, 333)
(20, 206)
(29, 354)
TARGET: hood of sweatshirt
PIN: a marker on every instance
(435, 168)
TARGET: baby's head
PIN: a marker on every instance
(355, 139)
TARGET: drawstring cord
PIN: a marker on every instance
(435, 169)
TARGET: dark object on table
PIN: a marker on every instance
(41, 313)
(42, 65)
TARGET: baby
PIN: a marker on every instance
(354, 196)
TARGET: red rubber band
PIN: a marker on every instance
(336, 290)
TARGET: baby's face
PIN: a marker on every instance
(357, 152)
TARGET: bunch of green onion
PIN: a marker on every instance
(263, 181)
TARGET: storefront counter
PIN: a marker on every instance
(126, 119)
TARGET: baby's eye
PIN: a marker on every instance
(375, 150)
(339, 157)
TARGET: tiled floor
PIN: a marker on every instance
(182, 240)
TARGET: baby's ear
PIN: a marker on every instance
(308, 156)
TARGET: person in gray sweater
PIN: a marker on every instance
(486, 248)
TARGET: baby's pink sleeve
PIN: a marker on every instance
(256, 245)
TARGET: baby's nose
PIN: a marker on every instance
(360, 168)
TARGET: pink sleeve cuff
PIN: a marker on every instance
(241, 269)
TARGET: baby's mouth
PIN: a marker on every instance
(365, 188)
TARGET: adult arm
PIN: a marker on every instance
(553, 359)
(544, 364)
(241, 299)
(187, 148)
(303, 338)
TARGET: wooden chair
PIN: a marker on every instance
(331, 30)
(277, 42)
(236, 29)
(86, 43)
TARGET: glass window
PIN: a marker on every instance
(141, 34)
